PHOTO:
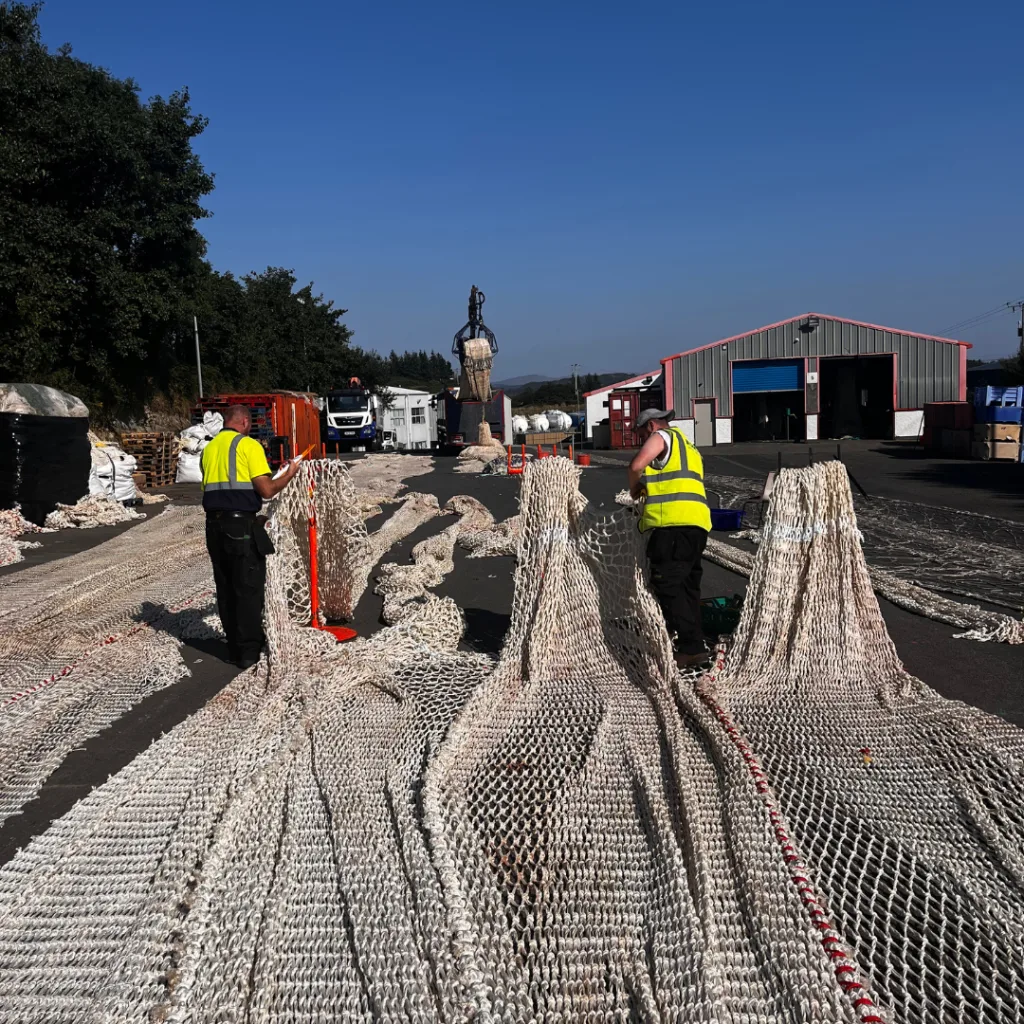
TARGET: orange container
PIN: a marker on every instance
(284, 422)
(583, 460)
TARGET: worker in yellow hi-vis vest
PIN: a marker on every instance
(667, 474)
(236, 481)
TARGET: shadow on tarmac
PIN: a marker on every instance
(485, 630)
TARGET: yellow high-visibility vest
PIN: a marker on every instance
(230, 463)
(675, 493)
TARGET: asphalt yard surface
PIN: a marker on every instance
(987, 675)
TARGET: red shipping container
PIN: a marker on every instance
(286, 423)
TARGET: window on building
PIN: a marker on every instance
(398, 419)
(419, 414)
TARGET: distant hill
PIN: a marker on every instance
(556, 385)
(559, 393)
(512, 384)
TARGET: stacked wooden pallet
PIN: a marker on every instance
(156, 454)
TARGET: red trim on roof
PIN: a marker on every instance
(820, 316)
(618, 383)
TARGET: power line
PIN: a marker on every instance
(979, 318)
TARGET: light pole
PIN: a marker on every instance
(199, 368)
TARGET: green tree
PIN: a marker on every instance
(100, 257)
(1015, 365)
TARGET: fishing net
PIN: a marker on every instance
(487, 450)
(900, 810)
(475, 377)
(89, 512)
(12, 525)
(944, 550)
(394, 830)
(84, 638)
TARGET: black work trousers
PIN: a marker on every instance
(674, 554)
(240, 573)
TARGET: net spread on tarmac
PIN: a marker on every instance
(84, 638)
(394, 830)
(944, 550)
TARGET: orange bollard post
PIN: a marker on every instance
(571, 459)
(340, 633)
(323, 449)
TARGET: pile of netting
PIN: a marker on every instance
(394, 830)
(84, 638)
(12, 525)
(900, 813)
(89, 512)
(946, 551)
(487, 451)
(475, 370)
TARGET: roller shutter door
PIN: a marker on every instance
(768, 375)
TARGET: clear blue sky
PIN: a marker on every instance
(623, 180)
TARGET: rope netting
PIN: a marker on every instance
(943, 550)
(394, 830)
(979, 623)
(903, 810)
(84, 638)
(12, 525)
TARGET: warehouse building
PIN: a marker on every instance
(811, 377)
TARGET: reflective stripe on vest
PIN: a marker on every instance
(232, 483)
(675, 495)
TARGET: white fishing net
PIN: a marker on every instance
(903, 809)
(393, 830)
(91, 511)
(475, 376)
(12, 526)
(84, 638)
(944, 550)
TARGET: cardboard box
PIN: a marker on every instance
(997, 432)
(955, 444)
(1009, 450)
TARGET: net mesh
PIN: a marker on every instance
(84, 638)
(907, 807)
(475, 376)
(941, 549)
(391, 829)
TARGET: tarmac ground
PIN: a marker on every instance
(987, 675)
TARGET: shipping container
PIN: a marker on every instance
(623, 409)
(286, 423)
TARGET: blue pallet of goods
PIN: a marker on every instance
(999, 414)
(999, 396)
(727, 519)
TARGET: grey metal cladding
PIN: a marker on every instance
(927, 370)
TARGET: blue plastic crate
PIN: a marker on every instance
(727, 519)
(998, 414)
(999, 396)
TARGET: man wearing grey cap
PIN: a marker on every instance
(667, 475)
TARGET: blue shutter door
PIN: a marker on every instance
(768, 375)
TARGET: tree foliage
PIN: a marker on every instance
(99, 198)
(102, 266)
(420, 365)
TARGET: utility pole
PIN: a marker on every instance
(576, 385)
(199, 367)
